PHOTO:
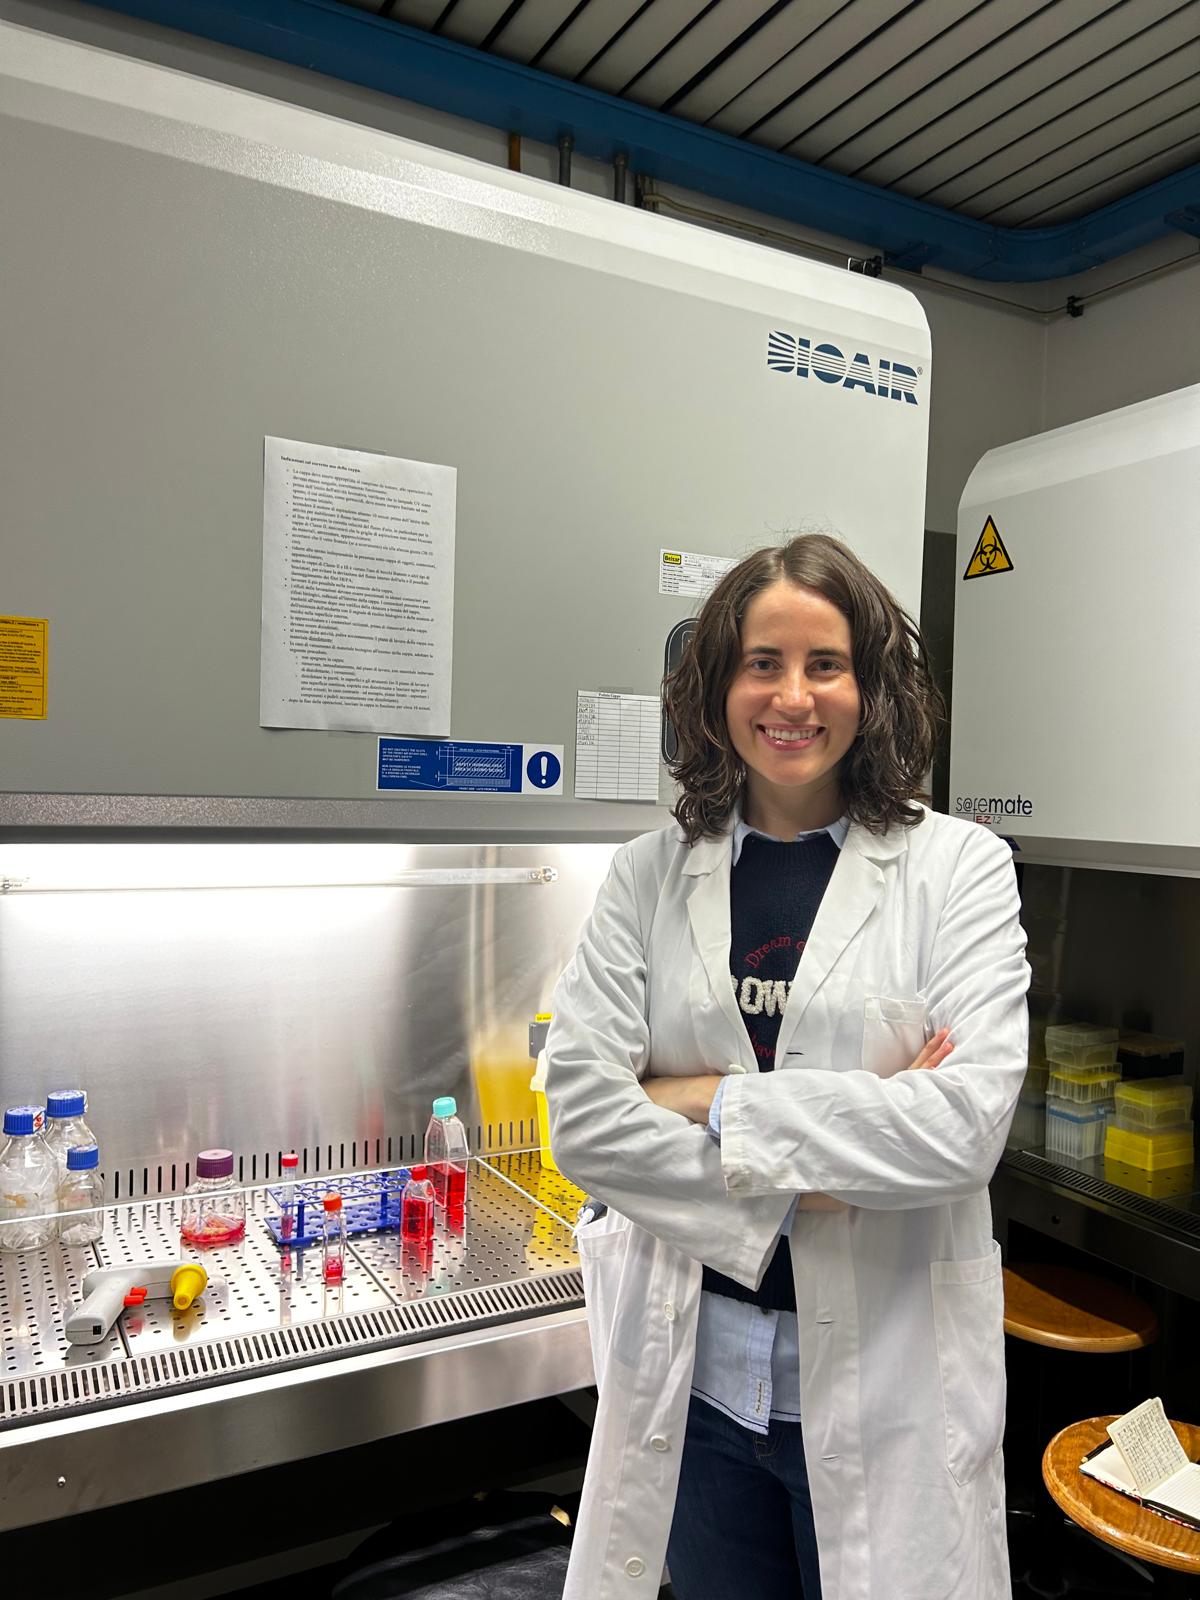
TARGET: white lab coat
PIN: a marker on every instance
(898, 1287)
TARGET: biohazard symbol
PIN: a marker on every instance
(989, 555)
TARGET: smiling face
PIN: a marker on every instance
(793, 708)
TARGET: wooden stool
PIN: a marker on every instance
(1115, 1518)
(1066, 1309)
(1061, 1308)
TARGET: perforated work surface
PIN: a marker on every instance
(523, 1169)
(506, 1238)
(264, 1309)
(34, 1286)
(249, 1287)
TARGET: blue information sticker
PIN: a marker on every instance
(450, 766)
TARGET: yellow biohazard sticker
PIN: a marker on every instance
(989, 555)
(23, 667)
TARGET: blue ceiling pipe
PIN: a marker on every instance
(380, 54)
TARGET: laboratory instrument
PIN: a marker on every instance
(109, 1291)
(1070, 544)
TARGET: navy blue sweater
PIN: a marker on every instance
(775, 889)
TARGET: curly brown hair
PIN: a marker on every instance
(902, 710)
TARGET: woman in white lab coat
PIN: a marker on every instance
(860, 1431)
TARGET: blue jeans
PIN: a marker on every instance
(743, 1515)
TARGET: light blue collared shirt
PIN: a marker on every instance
(837, 831)
(748, 1356)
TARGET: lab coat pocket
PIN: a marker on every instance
(602, 1246)
(968, 1321)
(893, 1034)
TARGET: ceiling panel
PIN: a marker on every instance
(531, 28)
(1059, 192)
(1020, 112)
(1061, 38)
(843, 139)
(652, 30)
(471, 21)
(758, 54)
(1101, 194)
(1144, 129)
(716, 31)
(1028, 96)
(1100, 120)
(586, 35)
(417, 13)
(855, 79)
(822, 50)
(994, 56)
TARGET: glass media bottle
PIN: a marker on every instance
(212, 1217)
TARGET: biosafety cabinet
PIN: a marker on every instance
(1077, 640)
(190, 269)
(223, 931)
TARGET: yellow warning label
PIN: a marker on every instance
(989, 555)
(23, 667)
(672, 558)
(544, 1016)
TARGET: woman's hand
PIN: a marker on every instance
(934, 1053)
(691, 1097)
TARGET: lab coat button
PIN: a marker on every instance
(635, 1566)
(659, 1443)
(669, 1312)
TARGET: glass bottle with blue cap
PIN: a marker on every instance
(81, 1197)
(28, 1182)
(65, 1126)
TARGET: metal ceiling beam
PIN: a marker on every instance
(377, 53)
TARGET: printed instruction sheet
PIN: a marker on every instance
(23, 667)
(616, 746)
(358, 590)
(686, 572)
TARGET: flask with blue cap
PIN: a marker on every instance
(447, 1156)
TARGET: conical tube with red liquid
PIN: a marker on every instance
(333, 1244)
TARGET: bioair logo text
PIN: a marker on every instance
(799, 358)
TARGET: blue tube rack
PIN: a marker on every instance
(370, 1204)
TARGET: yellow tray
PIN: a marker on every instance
(1152, 1152)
